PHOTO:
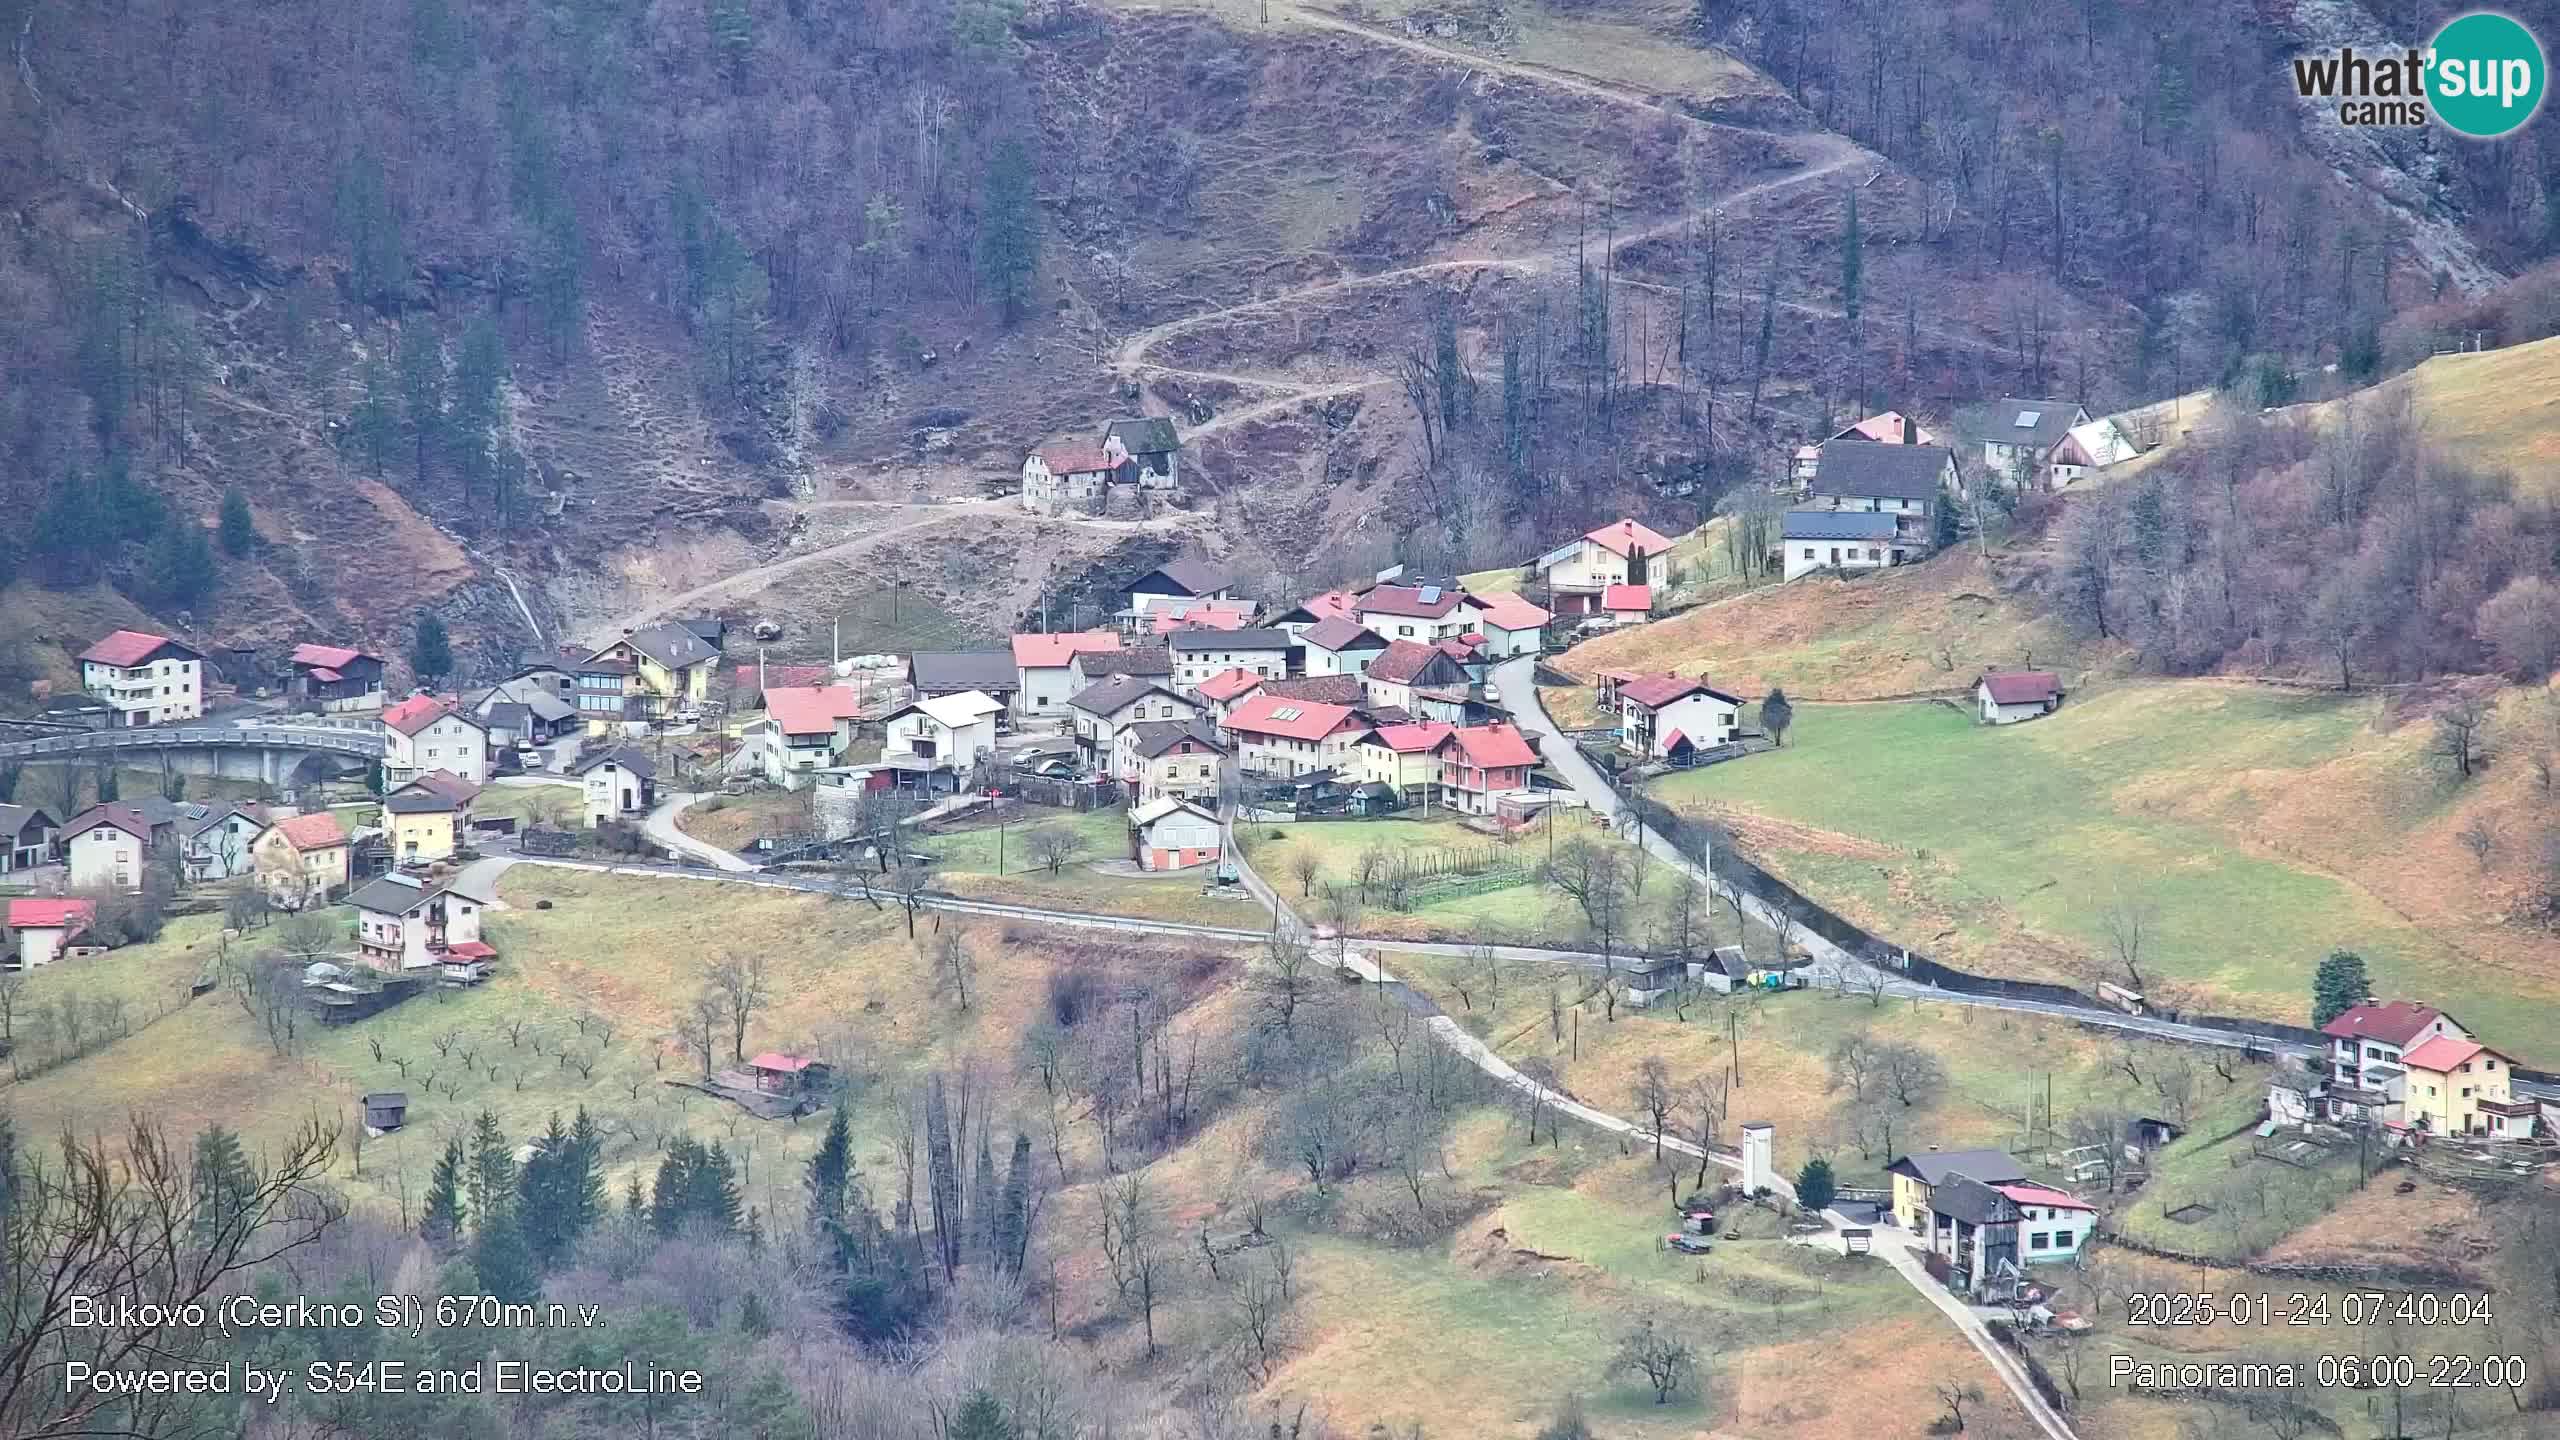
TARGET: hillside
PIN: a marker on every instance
(708, 321)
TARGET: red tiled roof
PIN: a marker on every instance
(1401, 661)
(1655, 691)
(323, 672)
(1627, 597)
(1073, 457)
(811, 710)
(331, 656)
(1329, 604)
(1328, 689)
(1461, 648)
(776, 1060)
(471, 950)
(2441, 1053)
(1340, 632)
(1885, 428)
(316, 831)
(2021, 687)
(1287, 718)
(125, 647)
(1405, 739)
(418, 712)
(1037, 652)
(1489, 746)
(1407, 600)
(2039, 1195)
(51, 914)
(1626, 535)
(1164, 619)
(122, 817)
(1228, 684)
(2396, 1022)
(1510, 612)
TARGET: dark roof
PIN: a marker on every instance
(709, 629)
(508, 715)
(1148, 660)
(2047, 421)
(160, 810)
(1151, 436)
(1323, 689)
(1426, 602)
(1257, 639)
(14, 818)
(391, 895)
(670, 644)
(419, 802)
(1973, 1202)
(1105, 696)
(252, 813)
(121, 817)
(633, 760)
(1839, 525)
(1341, 632)
(1935, 1167)
(1864, 468)
(1184, 577)
(1410, 662)
(954, 670)
(1154, 737)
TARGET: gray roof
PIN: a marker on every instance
(942, 671)
(1973, 1202)
(670, 644)
(541, 699)
(1935, 1167)
(1227, 640)
(1839, 525)
(1152, 436)
(635, 761)
(419, 802)
(242, 808)
(391, 895)
(14, 818)
(1137, 660)
(1186, 577)
(2047, 421)
(1864, 468)
(508, 715)
(1103, 697)
(1154, 737)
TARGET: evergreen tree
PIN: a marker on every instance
(667, 1193)
(1009, 230)
(431, 652)
(493, 1170)
(223, 1182)
(634, 1204)
(420, 358)
(1815, 1188)
(376, 423)
(71, 530)
(587, 1193)
(1016, 1228)
(132, 511)
(1852, 265)
(1944, 513)
(239, 531)
(476, 409)
(550, 1195)
(980, 1418)
(444, 1220)
(1776, 715)
(559, 262)
(502, 1260)
(830, 1182)
(377, 265)
(734, 292)
(711, 1192)
(2338, 986)
(179, 568)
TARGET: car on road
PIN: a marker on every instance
(1047, 768)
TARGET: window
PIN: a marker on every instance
(1808, 552)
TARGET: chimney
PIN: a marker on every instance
(1910, 431)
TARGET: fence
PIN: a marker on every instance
(1063, 794)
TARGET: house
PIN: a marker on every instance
(2458, 1086)
(48, 929)
(1904, 481)
(221, 845)
(670, 668)
(1889, 427)
(1064, 475)
(1620, 553)
(2086, 449)
(1916, 1178)
(1973, 1229)
(1276, 735)
(2018, 437)
(1416, 612)
(1663, 717)
(2366, 1080)
(432, 732)
(1173, 834)
(106, 847)
(1157, 758)
(2005, 697)
(1844, 540)
(603, 690)
(711, 630)
(1146, 662)
(1404, 758)
(1043, 667)
(946, 732)
(424, 822)
(2052, 1224)
(1166, 616)
(620, 782)
(777, 1073)
(404, 923)
(144, 679)
(1222, 692)
(1511, 626)
(336, 680)
(1627, 604)
(1101, 709)
(1481, 762)
(1405, 666)
(991, 673)
(1314, 611)
(804, 729)
(1199, 654)
(1152, 444)
(1178, 580)
(302, 860)
(541, 714)
(26, 838)
(1338, 645)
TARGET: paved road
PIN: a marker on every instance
(661, 827)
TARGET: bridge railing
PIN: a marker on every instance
(344, 742)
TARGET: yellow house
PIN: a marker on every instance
(2458, 1087)
(1917, 1177)
(670, 666)
(1399, 756)
(425, 818)
(302, 860)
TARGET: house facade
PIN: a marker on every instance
(47, 929)
(1627, 604)
(1844, 540)
(1579, 571)
(2087, 449)
(28, 838)
(1044, 668)
(403, 923)
(604, 693)
(1479, 763)
(1066, 475)
(1512, 626)
(805, 729)
(1283, 737)
(1199, 654)
(429, 732)
(550, 710)
(944, 732)
(1405, 759)
(1664, 717)
(1338, 645)
(336, 680)
(1405, 666)
(1152, 443)
(1159, 758)
(1973, 1230)
(1102, 709)
(1908, 482)
(2018, 437)
(618, 784)
(2367, 1079)
(670, 671)
(1174, 834)
(1421, 613)
(223, 844)
(2052, 1224)
(144, 679)
(302, 860)
(423, 824)
(2461, 1087)
(106, 847)
(1916, 1178)
(2005, 697)
(1178, 580)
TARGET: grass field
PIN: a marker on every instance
(730, 821)
(966, 863)
(527, 804)
(2001, 850)
(2496, 408)
(1527, 911)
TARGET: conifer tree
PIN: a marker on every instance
(223, 1182)
(492, 1176)
(239, 530)
(441, 1225)
(431, 652)
(179, 567)
(830, 1184)
(503, 1261)
(980, 1418)
(1009, 230)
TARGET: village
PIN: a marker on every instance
(1223, 750)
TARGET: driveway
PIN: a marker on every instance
(661, 827)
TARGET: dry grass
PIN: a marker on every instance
(730, 821)
(2380, 1226)
(1573, 708)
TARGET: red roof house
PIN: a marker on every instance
(2395, 1023)
(121, 817)
(1410, 739)
(1628, 537)
(1627, 601)
(2441, 1053)
(1166, 616)
(1478, 762)
(1074, 457)
(51, 914)
(1424, 602)
(316, 831)
(2021, 687)
(1227, 685)
(420, 711)
(812, 710)
(1042, 652)
(1511, 612)
(125, 649)
(1282, 718)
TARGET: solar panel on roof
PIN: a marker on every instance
(2027, 419)
(1430, 594)
(1286, 712)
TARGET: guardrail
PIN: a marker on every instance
(268, 737)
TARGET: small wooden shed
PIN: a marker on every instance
(780, 1074)
(386, 1110)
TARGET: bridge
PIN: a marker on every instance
(277, 755)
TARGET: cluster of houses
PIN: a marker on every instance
(1983, 1221)
(2409, 1071)
(1133, 460)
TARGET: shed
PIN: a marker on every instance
(780, 1074)
(386, 1111)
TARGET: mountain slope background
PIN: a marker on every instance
(623, 300)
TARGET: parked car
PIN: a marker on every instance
(1686, 1243)
(1052, 768)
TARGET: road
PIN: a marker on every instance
(661, 827)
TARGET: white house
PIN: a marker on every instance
(619, 783)
(1199, 654)
(1622, 552)
(1417, 612)
(428, 732)
(1904, 481)
(222, 844)
(302, 860)
(1339, 645)
(2018, 437)
(145, 679)
(2005, 697)
(2367, 1044)
(1627, 604)
(2052, 1225)
(1664, 717)
(403, 923)
(1510, 625)
(1406, 666)
(804, 729)
(1155, 758)
(2089, 448)
(944, 732)
(1281, 736)
(27, 838)
(1103, 708)
(1152, 443)
(1173, 834)
(1067, 475)
(47, 929)
(106, 846)
(1843, 540)
(1045, 667)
